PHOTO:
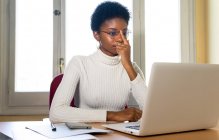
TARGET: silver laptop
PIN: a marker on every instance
(180, 97)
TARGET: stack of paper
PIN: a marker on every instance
(43, 131)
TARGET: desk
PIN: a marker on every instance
(211, 134)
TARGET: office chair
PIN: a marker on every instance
(53, 86)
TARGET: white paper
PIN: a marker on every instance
(61, 130)
(26, 134)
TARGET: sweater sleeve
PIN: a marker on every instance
(61, 111)
(138, 87)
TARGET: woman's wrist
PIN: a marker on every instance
(109, 116)
(113, 116)
(130, 71)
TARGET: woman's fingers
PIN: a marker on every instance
(138, 114)
(135, 114)
(124, 40)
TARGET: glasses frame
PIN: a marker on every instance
(116, 33)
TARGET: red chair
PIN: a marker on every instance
(54, 85)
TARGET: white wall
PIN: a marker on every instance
(213, 27)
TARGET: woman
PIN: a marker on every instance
(105, 79)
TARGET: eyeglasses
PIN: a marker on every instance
(113, 34)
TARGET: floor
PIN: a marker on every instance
(22, 118)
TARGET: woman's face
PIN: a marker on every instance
(109, 35)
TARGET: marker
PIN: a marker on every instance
(53, 127)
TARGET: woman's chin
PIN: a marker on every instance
(114, 51)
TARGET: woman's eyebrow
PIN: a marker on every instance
(117, 29)
(112, 29)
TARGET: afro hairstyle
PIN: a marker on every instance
(106, 11)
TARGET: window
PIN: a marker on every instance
(39, 40)
(162, 27)
(31, 52)
(34, 45)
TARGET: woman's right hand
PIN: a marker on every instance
(130, 114)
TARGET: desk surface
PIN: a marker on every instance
(210, 134)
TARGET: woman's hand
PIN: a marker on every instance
(123, 49)
(129, 114)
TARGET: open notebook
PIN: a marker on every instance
(180, 97)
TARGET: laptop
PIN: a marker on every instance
(180, 97)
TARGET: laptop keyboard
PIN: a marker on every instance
(136, 127)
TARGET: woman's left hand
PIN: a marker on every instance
(129, 114)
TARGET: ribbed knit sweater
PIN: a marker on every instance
(104, 85)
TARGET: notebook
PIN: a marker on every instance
(180, 97)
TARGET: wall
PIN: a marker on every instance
(207, 31)
(201, 31)
(213, 31)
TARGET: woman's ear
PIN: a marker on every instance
(96, 35)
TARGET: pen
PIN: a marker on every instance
(53, 127)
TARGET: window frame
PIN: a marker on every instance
(188, 49)
(20, 98)
(8, 99)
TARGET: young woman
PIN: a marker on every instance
(105, 79)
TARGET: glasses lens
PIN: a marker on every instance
(113, 33)
(126, 34)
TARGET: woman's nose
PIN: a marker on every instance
(119, 38)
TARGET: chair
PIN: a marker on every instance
(53, 86)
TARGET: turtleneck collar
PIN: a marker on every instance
(109, 60)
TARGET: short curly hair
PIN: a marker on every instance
(106, 11)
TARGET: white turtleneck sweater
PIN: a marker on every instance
(104, 85)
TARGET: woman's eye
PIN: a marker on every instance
(112, 33)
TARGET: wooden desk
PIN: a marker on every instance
(211, 134)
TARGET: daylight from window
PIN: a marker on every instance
(34, 45)
(162, 32)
